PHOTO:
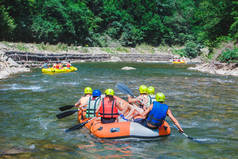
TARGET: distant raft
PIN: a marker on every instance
(55, 70)
(179, 62)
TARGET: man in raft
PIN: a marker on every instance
(151, 94)
(83, 101)
(109, 108)
(68, 65)
(156, 114)
(93, 104)
(143, 100)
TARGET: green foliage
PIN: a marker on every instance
(228, 55)
(122, 49)
(131, 35)
(108, 50)
(213, 19)
(234, 25)
(22, 47)
(98, 22)
(7, 24)
(145, 48)
(192, 49)
(84, 50)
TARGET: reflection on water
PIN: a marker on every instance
(205, 105)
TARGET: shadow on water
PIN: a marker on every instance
(205, 105)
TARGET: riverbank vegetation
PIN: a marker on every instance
(120, 24)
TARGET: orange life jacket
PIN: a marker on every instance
(108, 108)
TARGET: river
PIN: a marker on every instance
(205, 105)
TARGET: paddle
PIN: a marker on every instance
(78, 126)
(124, 89)
(189, 137)
(65, 114)
(63, 108)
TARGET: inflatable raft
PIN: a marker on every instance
(63, 70)
(125, 129)
(122, 128)
(179, 62)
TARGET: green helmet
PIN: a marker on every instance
(151, 90)
(88, 90)
(160, 97)
(109, 92)
(143, 89)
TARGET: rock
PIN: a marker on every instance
(14, 151)
(115, 59)
(220, 69)
(128, 68)
(12, 62)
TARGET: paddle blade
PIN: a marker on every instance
(79, 126)
(124, 89)
(66, 107)
(65, 114)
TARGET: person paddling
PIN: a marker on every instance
(109, 108)
(84, 100)
(143, 100)
(151, 94)
(156, 114)
(68, 65)
(93, 104)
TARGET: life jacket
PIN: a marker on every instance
(108, 109)
(158, 114)
(152, 99)
(92, 107)
(60, 66)
(68, 65)
(145, 99)
(57, 66)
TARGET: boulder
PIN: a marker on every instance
(128, 68)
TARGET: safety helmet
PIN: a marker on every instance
(109, 92)
(143, 89)
(96, 93)
(88, 90)
(160, 97)
(151, 90)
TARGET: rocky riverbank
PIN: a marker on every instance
(217, 68)
(17, 58)
(8, 66)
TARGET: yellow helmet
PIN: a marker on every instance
(160, 97)
(143, 89)
(88, 90)
(109, 92)
(151, 90)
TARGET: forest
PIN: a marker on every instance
(194, 23)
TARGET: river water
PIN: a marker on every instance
(205, 105)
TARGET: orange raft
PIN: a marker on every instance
(124, 129)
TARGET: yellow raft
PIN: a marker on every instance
(55, 70)
(179, 62)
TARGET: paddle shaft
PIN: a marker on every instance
(78, 126)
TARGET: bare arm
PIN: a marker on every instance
(169, 113)
(97, 111)
(145, 113)
(77, 103)
(131, 99)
